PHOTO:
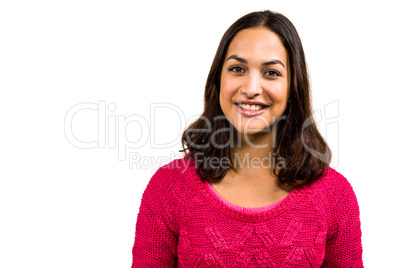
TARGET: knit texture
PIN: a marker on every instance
(183, 222)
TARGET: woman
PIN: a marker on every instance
(255, 188)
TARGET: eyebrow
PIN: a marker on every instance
(235, 57)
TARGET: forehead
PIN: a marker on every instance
(257, 44)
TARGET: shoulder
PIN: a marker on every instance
(332, 182)
(177, 166)
(336, 193)
(162, 198)
(168, 176)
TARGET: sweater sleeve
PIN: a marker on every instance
(155, 237)
(344, 247)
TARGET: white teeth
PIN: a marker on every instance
(250, 107)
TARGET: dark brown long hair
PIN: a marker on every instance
(299, 142)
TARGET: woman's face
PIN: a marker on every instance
(255, 70)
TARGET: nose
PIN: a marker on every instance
(252, 86)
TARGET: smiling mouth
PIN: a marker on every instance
(252, 107)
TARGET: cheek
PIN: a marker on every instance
(278, 93)
(226, 91)
(224, 101)
(228, 84)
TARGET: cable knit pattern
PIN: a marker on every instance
(183, 222)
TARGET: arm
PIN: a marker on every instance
(344, 247)
(155, 239)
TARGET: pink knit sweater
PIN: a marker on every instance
(183, 222)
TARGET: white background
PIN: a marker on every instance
(65, 206)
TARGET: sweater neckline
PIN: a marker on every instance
(244, 214)
(242, 209)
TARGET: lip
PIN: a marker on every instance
(252, 103)
(251, 113)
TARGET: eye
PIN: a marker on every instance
(236, 69)
(272, 73)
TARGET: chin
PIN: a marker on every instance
(252, 130)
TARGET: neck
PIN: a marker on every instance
(253, 159)
(254, 153)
